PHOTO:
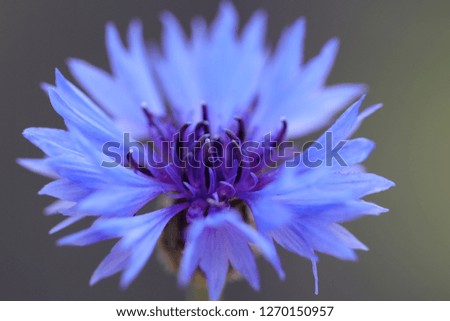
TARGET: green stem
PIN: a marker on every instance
(197, 292)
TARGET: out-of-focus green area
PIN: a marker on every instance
(401, 49)
(407, 45)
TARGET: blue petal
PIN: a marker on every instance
(322, 238)
(356, 151)
(65, 190)
(39, 166)
(298, 91)
(268, 214)
(192, 253)
(353, 151)
(226, 23)
(57, 207)
(288, 56)
(113, 263)
(104, 89)
(289, 237)
(142, 81)
(80, 104)
(353, 185)
(340, 212)
(50, 140)
(177, 71)
(107, 228)
(315, 163)
(102, 229)
(321, 107)
(266, 247)
(67, 222)
(347, 124)
(221, 237)
(254, 33)
(132, 68)
(239, 65)
(317, 69)
(241, 258)
(139, 235)
(214, 262)
(219, 68)
(140, 254)
(335, 188)
(93, 175)
(111, 95)
(120, 201)
(346, 237)
(81, 113)
(343, 127)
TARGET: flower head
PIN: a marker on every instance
(204, 123)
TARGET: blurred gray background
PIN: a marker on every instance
(401, 49)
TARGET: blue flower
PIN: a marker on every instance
(211, 114)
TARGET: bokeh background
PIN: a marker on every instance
(401, 49)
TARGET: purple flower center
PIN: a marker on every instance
(209, 169)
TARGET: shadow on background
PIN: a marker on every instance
(401, 49)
